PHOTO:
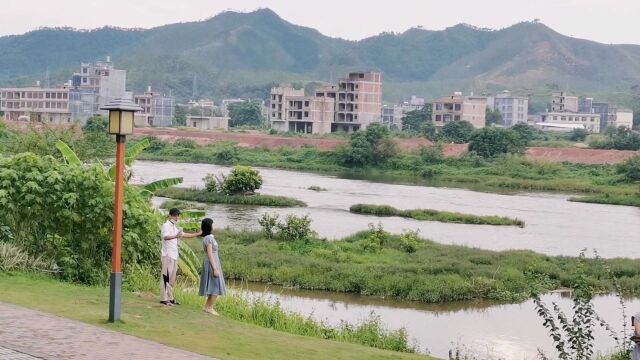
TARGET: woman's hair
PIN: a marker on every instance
(206, 226)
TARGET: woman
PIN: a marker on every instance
(212, 280)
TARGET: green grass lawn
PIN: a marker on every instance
(189, 329)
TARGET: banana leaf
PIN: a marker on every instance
(162, 184)
(69, 155)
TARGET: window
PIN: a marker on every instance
(194, 123)
(438, 106)
(306, 104)
(438, 117)
(306, 114)
(456, 118)
(457, 107)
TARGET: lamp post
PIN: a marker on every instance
(121, 114)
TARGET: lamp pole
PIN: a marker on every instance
(121, 119)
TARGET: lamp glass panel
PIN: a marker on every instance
(114, 122)
(126, 125)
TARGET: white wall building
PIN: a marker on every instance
(514, 109)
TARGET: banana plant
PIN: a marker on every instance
(130, 155)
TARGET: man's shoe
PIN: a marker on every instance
(174, 302)
(167, 303)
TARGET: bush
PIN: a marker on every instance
(370, 147)
(96, 124)
(431, 154)
(64, 213)
(409, 241)
(376, 238)
(457, 131)
(227, 154)
(525, 131)
(213, 183)
(296, 228)
(185, 143)
(242, 179)
(12, 258)
(578, 134)
(491, 142)
(630, 169)
(269, 224)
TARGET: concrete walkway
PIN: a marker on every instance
(28, 334)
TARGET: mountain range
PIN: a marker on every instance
(243, 54)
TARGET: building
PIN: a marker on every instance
(103, 81)
(458, 107)
(623, 118)
(392, 114)
(48, 105)
(291, 111)
(359, 101)
(570, 120)
(561, 102)
(514, 109)
(208, 122)
(157, 109)
(585, 105)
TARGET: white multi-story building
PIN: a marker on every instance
(514, 109)
(291, 111)
(102, 80)
(570, 120)
(392, 114)
(49, 105)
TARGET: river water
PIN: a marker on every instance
(554, 226)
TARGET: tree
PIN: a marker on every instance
(96, 125)
(413, 121)
(493, 117)
(248, 112)
(578, 134)
(180, 115)
(457, 131)
(526, 132)
(242, 179)
(491, 142)
(372, 146)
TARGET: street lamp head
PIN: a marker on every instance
(121, 116)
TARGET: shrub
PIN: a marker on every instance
(372, 146)
(269, 224)
(213, 183)
(525, 131)
(630, 169)
(12, 258)
(409, 241)
(457, 131)
(431, 154)
(96, 124)
(242, 179)
(227, 154)
(64, 213)
(375, 239)
(296, 228)
(185, 143)
(578, 134)
(491, 142)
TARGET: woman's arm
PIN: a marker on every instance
(191, 235)
(212, 260)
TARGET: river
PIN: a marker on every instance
(554, 226)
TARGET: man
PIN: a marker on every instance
(170, 235)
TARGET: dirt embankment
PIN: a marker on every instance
(259, 140)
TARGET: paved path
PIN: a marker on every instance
(28, 334)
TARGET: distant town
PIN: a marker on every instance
(350, 105)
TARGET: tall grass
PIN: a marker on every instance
(181, 204)
(375, 263)
(434, 215)
(13, 258)
(201, 195)
(263, 312)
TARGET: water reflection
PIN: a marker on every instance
(489, 329)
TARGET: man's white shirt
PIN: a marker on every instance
(170, 247)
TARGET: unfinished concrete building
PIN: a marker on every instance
(458, 107)
(359, 101)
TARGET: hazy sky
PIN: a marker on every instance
(610, 21)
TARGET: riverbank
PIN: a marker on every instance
(506, 174)
(143, 317)
(433, 215)
(203, 196)
(393, 266)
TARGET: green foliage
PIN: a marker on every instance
(493, 117)
(413, 121)
(69, 156)
(204, 196)
(431, 154)
(458, 132)
(65, 213)
(630, 169)
(409, 241)
(433, 273)
(269, 224)
(242, 180)
(227, 153)
(12, 258)
(433, 215)
(185, 143)
(245, 113)
(181, 204)
(526, 132)
(578, 134)
(372, 146)
(213, 183)
(149, 189)
(96, 125)
(491, 142)
(375, 239)
(295, 228)
(617, 138)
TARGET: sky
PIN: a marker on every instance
(610, 21)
